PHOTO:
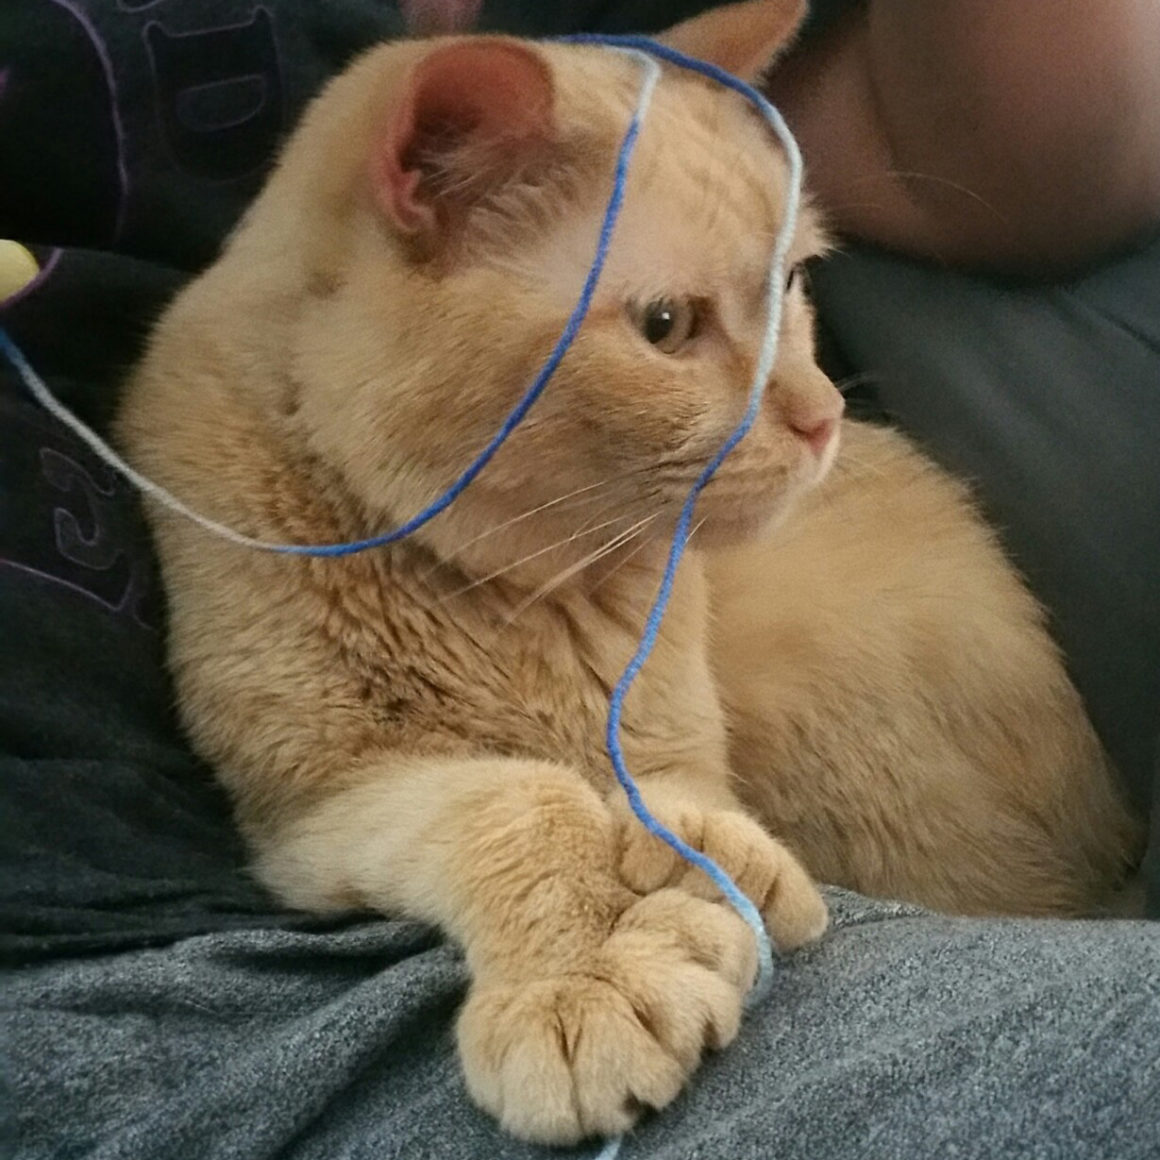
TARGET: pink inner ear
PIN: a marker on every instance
(488, 93)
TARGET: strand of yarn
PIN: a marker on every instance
(645, 51)
(611, 1150)
(40, 391)
(765, 362)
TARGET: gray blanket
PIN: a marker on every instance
(155, 1004)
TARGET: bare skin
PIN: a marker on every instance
(1022, 137)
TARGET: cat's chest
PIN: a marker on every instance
(538, 683)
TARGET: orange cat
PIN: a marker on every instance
(420, 729)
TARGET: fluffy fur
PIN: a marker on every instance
(899, 713)
(419, 730)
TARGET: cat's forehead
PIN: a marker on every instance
(709, 190)
(716, 151)
(702, 149)
(706, 195)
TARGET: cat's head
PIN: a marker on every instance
(439, 211)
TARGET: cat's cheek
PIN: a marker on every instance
(731, 517)
(731, 524)
(715, 536)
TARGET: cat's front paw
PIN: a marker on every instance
(583, 1048)
(764, 870)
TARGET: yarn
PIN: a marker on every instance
(46, 399)
(644, 50)
(766, 358)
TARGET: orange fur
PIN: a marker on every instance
(898, 712)
(419, 729)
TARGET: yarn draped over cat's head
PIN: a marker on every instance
(423, 242)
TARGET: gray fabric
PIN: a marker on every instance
(903, 1034)
(535, 18)
(1048, 398)
(156, 1006)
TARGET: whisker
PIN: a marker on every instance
(560, 499)
(621, 563)
(841, 207)
(695, 529)
(915, 175)
(851, 381)
(576, 535)
(848, 459)
(910, 175)
(562, 577)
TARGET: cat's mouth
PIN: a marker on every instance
(739, 504)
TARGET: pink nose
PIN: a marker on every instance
(816, 433)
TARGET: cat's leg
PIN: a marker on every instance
(705, 814)
(589, 1001)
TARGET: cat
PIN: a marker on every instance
(419, 730)
(898, 712)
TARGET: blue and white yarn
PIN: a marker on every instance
(647, 52)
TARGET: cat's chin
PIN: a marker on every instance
(721, 530)
(739, 506)
(738, 516)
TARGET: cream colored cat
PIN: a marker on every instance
(420, 729)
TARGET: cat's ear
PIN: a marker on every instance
(742, 38)
(472, 114)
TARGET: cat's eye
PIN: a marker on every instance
(668, 323)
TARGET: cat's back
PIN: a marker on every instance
(897, 706)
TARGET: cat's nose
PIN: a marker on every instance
(813, 414)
